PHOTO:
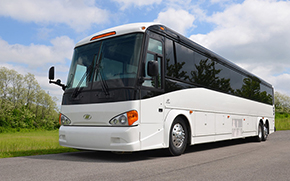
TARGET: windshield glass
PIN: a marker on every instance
(111, 61)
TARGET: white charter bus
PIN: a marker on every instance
(144, 86)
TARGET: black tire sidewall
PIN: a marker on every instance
(264, 135)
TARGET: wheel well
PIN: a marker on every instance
(187, 127)
(261, 122)
(267, 124)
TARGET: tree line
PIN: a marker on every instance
(23, 104)
(282, 103)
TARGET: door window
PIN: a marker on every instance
(154, 52)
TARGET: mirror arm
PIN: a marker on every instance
(58, 82)
(141, 80)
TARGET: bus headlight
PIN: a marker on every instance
(125, 119)
(63, 120)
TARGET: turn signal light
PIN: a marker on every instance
(132, 117)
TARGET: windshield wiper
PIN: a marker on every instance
(104, 84)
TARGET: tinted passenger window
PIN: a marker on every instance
(230, 80)
(169, 58)
(266, 94)
(184, 64)
(203, 72)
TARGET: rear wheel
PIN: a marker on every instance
(265, 132)
(259, 137)
(178, 137)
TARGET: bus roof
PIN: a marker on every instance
(119, 30)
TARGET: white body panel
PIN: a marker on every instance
(215, 116)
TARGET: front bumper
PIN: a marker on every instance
(100, 138)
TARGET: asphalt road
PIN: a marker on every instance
(228, 160)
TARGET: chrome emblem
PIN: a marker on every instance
(87, 117)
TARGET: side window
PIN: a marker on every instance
(185, 62)
(203, 72)
(228, 79)
(154, 52)
(155, 46)
(266, 94)
(169, 58)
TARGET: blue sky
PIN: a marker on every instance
(36, 34)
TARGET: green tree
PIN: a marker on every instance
(282, 102)
(31, 88)
(23, 104)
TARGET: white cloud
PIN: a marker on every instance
(221, 1)
(37, 55)
(127, 3)
(254, 34)
(37, 59)
(41, 77)
(282, 84)
(179, 20)
(253, 28)
(79, 15)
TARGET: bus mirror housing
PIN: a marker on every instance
(51, 77)
(152, 68)
(51, 73)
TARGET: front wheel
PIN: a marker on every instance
(178, 137)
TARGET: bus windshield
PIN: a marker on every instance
(113, 62)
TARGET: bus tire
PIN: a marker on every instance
(259, 137)
(178, 137)
(265, 132)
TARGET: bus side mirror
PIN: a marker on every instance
(51, 73)
(152, 68)
(51, 77)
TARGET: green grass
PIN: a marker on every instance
(282, 121)
(30, 143)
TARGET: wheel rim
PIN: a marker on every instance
(178, 135)
(265, 131)
(260, 132)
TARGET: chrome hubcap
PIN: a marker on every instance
(178, 135)
(260, 132)
(266, 131)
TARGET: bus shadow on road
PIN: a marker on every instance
(104, 156)
(218, 144)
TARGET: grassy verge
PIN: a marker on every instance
(30, 143)
(282, 121)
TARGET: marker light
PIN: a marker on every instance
(103, 35)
